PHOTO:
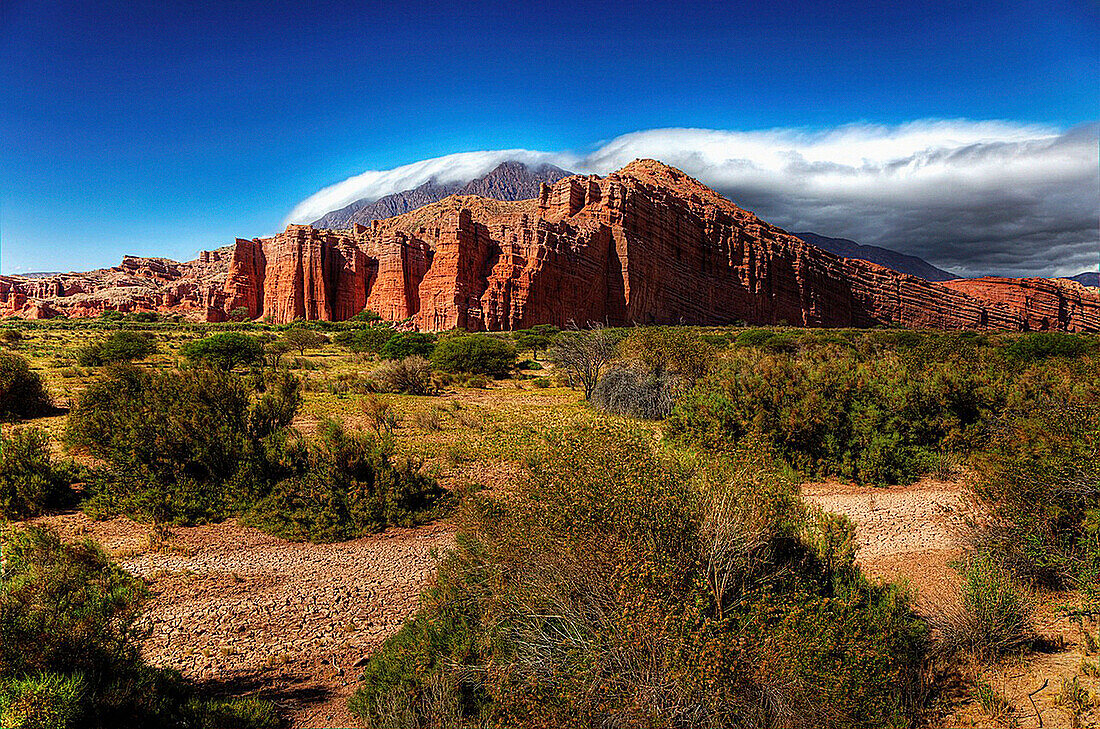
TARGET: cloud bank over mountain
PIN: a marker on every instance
(973, 197)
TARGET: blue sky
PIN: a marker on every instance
(165, 128)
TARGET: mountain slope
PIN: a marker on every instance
(911, 265)
(508, 181)
(1089, 278)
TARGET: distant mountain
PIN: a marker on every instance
(882, 256)
(1088, 278)
(509, 181)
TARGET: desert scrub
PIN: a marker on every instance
(31, 483)
(22, 392)
(349, 485)
(1039, 481)
(182, 447)
(70, 654)
(995, 614)
(873, 407)
(621, 586)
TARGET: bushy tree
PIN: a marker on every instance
(476, 354)
(301, 338)
(31, 483)
(121, 346)
(22, 393)
(409, 344)
(224, 351)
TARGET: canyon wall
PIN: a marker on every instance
(647, 244)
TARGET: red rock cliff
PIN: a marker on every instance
(646, 244)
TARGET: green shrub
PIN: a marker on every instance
(369, 340)
(352, 486)
(121, 346)
(871, 416)
(185, 447)
(30, 482)
(1041, 345)
(620, 587)
(477, 354)
(70, 654)
(1039, 478)
(22, 393)
(541, 382)
(366, 315)
(408, 344)
(664, 351)
(224, 351)
(995, 616)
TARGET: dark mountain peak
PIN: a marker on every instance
(510, 180)
(1088, 278)
(902, 262)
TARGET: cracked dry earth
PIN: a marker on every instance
(909, 533)
(254, 613)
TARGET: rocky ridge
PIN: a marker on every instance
(647, 244)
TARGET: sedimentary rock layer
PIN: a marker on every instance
(647, 244)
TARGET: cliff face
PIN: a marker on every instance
(1043, 303)
(194, 289)
(647, 244)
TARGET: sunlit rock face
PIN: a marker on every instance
(647, 245)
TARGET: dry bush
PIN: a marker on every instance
(411, 376)
(380, 414)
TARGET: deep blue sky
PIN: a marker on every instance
(162, 128)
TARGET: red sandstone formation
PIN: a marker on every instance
(194, 289)
(646, 244)
(1043, 303)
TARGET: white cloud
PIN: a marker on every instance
(973, 197)
(373, 184)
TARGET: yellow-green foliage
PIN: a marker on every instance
(622, 587)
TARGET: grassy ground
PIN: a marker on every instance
(485, 436)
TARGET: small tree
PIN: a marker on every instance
(302, 339)
(584, 354)
(530, 341)
(475, 353)
(122, 346)
(22, 393)
(275, 351)
(224, 351)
